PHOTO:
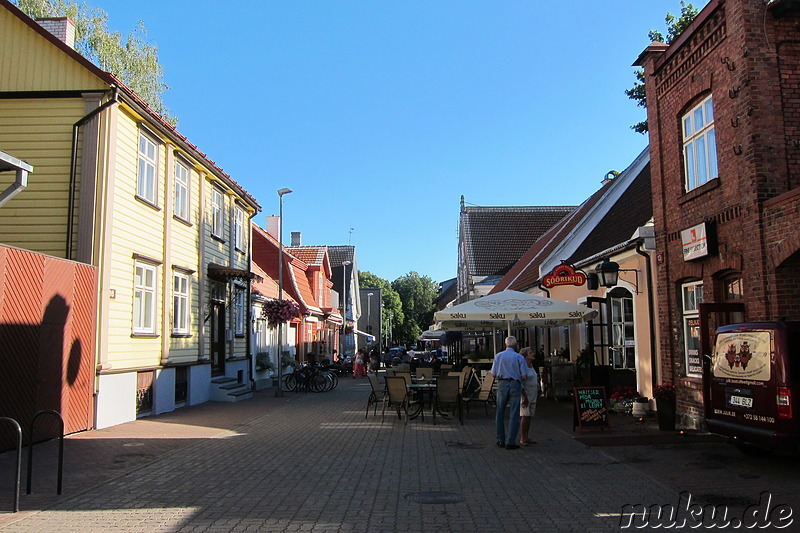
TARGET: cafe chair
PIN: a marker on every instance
(485, 394)
(447, 398)
(405, 375)
(376, 394)
(398, 398)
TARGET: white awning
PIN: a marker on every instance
(367, 335)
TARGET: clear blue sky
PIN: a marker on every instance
(381, 114)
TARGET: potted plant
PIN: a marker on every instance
(665, 405)
(623, 397)
(263, 362)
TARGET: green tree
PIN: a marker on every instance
(389, 298)
(675, 25)
(417, 294)
(131, 58)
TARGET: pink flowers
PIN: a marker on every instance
(279, 311)
(623, 393)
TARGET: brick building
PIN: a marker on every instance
(723, 106)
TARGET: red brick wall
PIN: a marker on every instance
(748, 60)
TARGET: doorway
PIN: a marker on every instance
(217, 339)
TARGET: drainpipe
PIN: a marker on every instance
(251, 360)
(73, 167)
(651, 313)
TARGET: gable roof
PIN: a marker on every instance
(265, 254)
(127, 95)
(340, 254)
(607, 218)
(496, 237)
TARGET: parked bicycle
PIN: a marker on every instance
(314, 378)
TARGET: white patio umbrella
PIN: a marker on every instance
(511, 309)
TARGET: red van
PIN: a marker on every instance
(753, 385)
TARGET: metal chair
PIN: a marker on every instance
(398, 398)
(485, 394)
(447, 397)
(424, 372)
(376, 394)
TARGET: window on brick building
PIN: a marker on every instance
(691, 298)
(732, 290)
(699, 145)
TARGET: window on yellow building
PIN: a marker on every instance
(181, 191)
(146, 173)
(180, 304)
(217, 212)
(144, 298)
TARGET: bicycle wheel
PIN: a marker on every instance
(317, 383)
(289, 383)
(333, 378)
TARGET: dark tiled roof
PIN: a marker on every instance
(525, 272)
(633, 209)
(496, 237)
(340, 254)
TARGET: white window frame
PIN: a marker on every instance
(238, 309)
(144, 298)
(181, 284)
(181, 207)
(691, 298)
(239, 241)
(147, 168)
(623, 331)
(217, 212)
(699, 144)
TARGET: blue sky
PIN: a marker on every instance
(381, 114)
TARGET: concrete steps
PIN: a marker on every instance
(228, 389)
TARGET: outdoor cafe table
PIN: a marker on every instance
(421, 390)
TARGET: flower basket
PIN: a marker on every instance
(280, 311)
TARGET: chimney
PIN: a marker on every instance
(273, 226)
(297, 239)
(62, 27)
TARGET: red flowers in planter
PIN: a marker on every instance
(664, 392)
(624, 393)
(279, 311)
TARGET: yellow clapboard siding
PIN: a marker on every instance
(29, 62)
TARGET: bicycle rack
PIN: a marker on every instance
(19, 458)
(60, 448)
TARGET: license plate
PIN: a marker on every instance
(741, 401)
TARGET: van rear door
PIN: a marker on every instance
(750, 384)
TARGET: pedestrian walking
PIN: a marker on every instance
(530, 393)
(359, 366)
(510, 370)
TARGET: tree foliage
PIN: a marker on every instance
(417, 294)
(131, 58)
(675, 25)
(389, 298)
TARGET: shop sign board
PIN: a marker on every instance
(564, 274)
(695, 241)
(591, 408)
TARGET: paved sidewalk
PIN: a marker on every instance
(313, 462)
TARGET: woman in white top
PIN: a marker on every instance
(530, 393)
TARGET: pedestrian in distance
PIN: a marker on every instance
(359, 366)
(510, 370)
(530, 393)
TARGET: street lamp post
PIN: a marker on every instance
(369, 313)
(281, 192)
(344, 307)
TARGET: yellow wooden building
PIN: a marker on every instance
(119, 188)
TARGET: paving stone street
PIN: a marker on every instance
(313, 462)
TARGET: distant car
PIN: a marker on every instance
(395, 353)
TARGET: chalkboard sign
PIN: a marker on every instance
(591, 409)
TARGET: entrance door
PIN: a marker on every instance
(217, 339)
(712, 316)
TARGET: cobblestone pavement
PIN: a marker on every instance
(313, 462)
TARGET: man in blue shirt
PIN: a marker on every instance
(509, 369)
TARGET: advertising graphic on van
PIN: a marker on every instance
(743, 355)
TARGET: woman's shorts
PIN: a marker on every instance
(530, 410)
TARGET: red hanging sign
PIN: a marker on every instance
(564, 274)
